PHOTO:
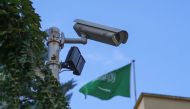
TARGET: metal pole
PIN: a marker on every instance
(82, 40)
(55, 43)
(134, 78)
(53, 50)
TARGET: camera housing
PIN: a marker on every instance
(101, 33)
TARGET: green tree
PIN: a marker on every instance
(21, 53)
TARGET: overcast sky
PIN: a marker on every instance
(159, 41)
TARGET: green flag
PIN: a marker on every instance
(114, 83)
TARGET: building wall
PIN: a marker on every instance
(141, 105)
(163, 103)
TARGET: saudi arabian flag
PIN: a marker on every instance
(114, 83)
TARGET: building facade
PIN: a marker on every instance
(156, 101)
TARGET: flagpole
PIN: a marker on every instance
(134, 78)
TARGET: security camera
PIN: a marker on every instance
(101, 33)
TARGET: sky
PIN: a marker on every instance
(159, 35)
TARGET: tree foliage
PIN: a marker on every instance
(21, 52)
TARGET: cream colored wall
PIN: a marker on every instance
(141, 105)
(162, 103)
